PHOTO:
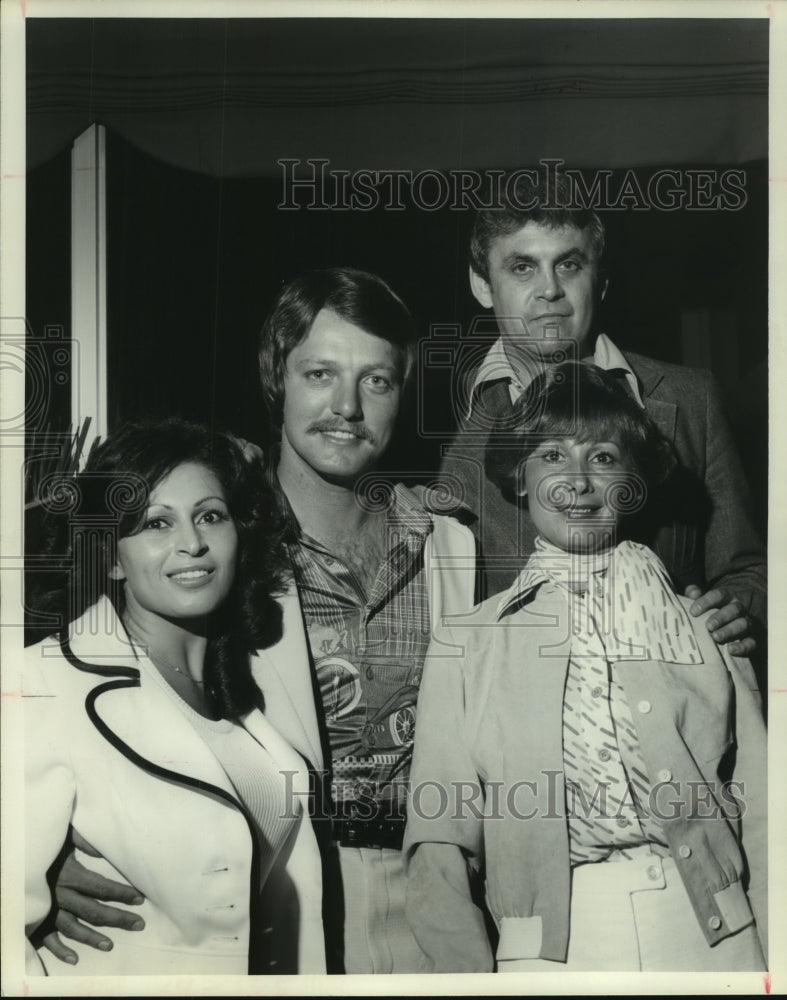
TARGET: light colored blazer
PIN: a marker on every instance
(490, 716)
(284, 671)
(108, 751)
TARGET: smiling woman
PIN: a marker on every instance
(182, 560)
(584, 707)
(144, 722)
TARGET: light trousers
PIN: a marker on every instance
(377, 937)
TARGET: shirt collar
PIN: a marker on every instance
(608, 356)
(496, 366)
(549, 563)
(289, 522)
(408, 509)
(648, 620)
(531, 577)
(403, 507)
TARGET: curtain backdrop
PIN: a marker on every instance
(230, 98)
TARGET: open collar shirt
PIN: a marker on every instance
(496, 366)
(368, 651)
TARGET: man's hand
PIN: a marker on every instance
(730, 625)
(78, 891)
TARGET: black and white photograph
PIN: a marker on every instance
(391, 467)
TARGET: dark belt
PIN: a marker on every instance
(369, 832)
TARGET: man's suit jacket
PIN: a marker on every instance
(700, 525)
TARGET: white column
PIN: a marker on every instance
(89, 283)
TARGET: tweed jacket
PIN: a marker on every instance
(490, 718)
(700, 525)
(108, 751)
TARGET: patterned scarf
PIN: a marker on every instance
(622, 602)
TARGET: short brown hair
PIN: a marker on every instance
(510, 216)
(578, 400)
(358, 297)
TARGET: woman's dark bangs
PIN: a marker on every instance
(561, 419)
(598, 423)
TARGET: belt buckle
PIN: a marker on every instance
(371, 833)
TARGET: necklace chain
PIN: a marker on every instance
(160, 660)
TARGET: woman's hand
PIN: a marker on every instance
(730, 625)
(78, 891)
(251, 451)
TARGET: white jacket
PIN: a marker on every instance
(108, 751)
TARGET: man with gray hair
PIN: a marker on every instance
(538, 262)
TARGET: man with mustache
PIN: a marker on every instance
(537, 262)
(336, 354)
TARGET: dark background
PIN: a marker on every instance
(195, 260)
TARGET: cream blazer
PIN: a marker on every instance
(108, 751)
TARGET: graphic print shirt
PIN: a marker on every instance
(368, 653)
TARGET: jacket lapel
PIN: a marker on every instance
(450, 568)
(664, 415)
(288, 760)
(138, 717)
(535, 643)
(143, 717)
(284, 676)
(531, 663)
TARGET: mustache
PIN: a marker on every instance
(358, 430)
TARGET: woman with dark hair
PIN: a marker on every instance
(583, 745)
(144, 724)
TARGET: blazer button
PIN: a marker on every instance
(714, 923)
(684, 851)
(644, 707)
(665, 774)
